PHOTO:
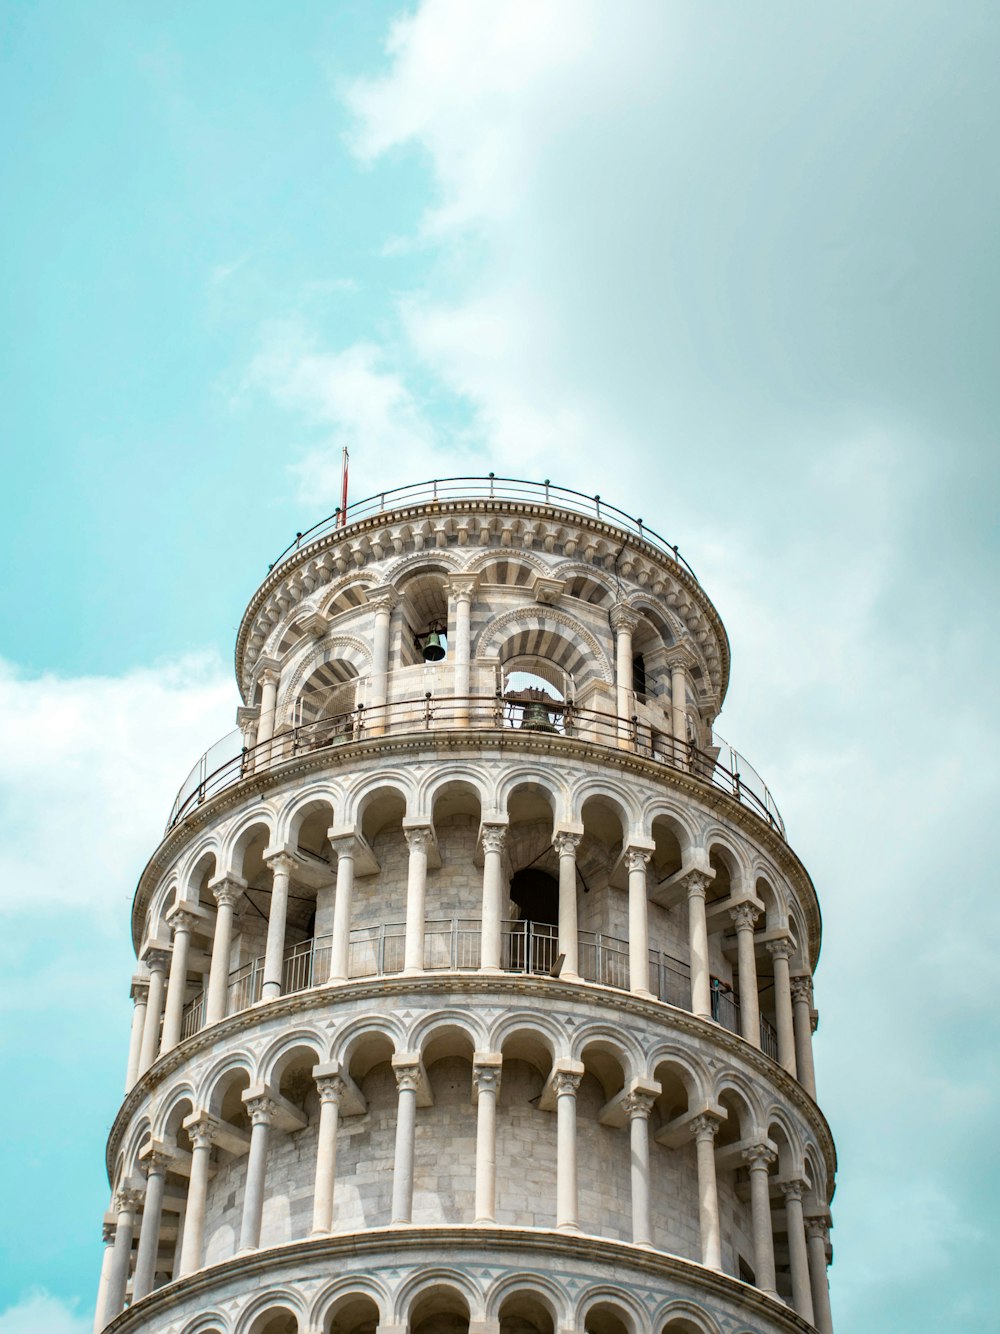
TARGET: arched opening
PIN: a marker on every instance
(526, 1313)
(222, 1223)
(365, 1154)
(735, 1133)
(603, 1137)
(443, 1185)
(670, 971)
(278, 1321)
(604, 904)
(354, 1314)
(527, 1061)
(440, 1310)
(452, 929)
(423, 618)
(606, 1318)
(531, 931)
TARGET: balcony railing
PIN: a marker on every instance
(722, 767)
(450, 945)
(726, 1011)
(489, 488)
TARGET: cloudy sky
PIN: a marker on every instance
(732, 266)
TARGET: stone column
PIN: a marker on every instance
(461, 590)
(703, 1130)
(486, 1071)
(418, 840)
(108, 1237)
(140, 994)
(638, 1105)
(623, 622)
(816, 1234)
(156, 962)
(182, 923)
(340, 949)
(381, 600)
(331, 1090)
(678, 712)
(126, 1204)
(801, 988)
(566, 844)
(780, 951)
(494, 839)
(407, 1073)
(701, 997)
(745, 919)
(268, 679)
(798, 1256)
(227, 891)
(758, 1160)
(281, 864)
(261, 1110)
(155, 1166)
(565, 1083)
(201, 1128)
(636, 861)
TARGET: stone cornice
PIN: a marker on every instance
(388, 989)
(287, 581)
(484, 742)
(334, 1252)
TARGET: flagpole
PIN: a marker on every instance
(343, 498)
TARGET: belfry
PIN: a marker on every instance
(474, 985)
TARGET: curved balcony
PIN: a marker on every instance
(227, 763)
(453, 945)
(490, 488)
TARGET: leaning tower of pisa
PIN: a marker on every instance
(474, 984)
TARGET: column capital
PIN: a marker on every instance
(155, 1159)
(781, 949)
(156, 958)
(139, 990)
(566, 842)
(624, 617)
(696, 882)
(127, 1200)
(759, 1157)
(227, 888)
(108, 1231)
(383, 598)
(409, 1074)
(260, 1110)
(331, 1088)
(705, 1126)
(202, 1127)
(247, 714)
(802, 989)
(638, 1104)
(636, 858)
(745, 916)
(679, 658)
(793, 1188)
(280, 859)
(817, 1227)
(462, 586)
(183, 916)
(420, 838)
(566, 1082)
(267, 671)
(493, 837)
(487, 1068)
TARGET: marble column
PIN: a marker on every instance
(623, 621)
(201, 1128)
(382, 601)
(126, 1205)
(704, 1130)
(261, 1111)
(486, 1071)
(268, 679)
(462, 587)
(331, 1090)
(758, 1160)
(745, 919)
(798, 1256)
(701, 998)
(155, 1166)
(636, 861)
(156, 962)
(182, 923)
(678, 713)
(565, 1084)
(140, 996)
(418, 840)
(407, 1080)
(494, 838)
(816, 1238)
(100, 1316)
(638, 1105)
(801, 988)
(281, 864)
(340, 950)
(566, 844)
(780, 951)
(227, 891)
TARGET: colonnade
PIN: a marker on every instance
(267, 1111)
(159, 999)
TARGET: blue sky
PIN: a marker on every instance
(732, 266)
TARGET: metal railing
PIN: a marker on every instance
(517, 489)
(722, 767)
(726, 1011)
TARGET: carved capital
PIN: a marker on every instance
(420, 839)
(494, 837)
(382, 599)
(202, 1131)
(623, 618)
(260, 1111)
(638, 1104)
(127, 1200)
(759, 1157)
(566, 843)
(156, 960)
(744, 916)
(463, 586)
(781, 949)
(704, 1127)
(636, 859)
(565, 1083)
(817, 1227)
(157, 1161)
(108, 1231)
(407, 1078)
(228, 889)
(486, 1078)
(282, 861)
(792, 1190)
(696, 883)
(139, 990)
(182, 919)
(330, 1088)
(802, 990)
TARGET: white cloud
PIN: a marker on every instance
(38, 1312)
(88, 770)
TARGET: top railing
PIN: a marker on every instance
(491, 487)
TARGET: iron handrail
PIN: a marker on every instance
(490, 487)
(431, 713)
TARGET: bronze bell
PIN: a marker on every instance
(432, 647)
(537, 717)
